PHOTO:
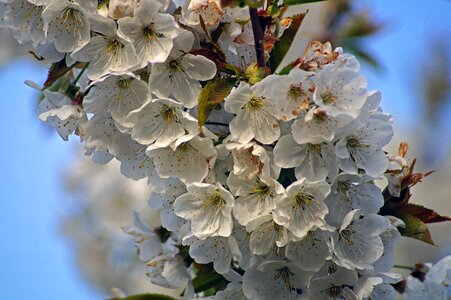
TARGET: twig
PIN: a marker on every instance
(216, 46)
(258, 37)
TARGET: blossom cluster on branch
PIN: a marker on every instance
(264, 176)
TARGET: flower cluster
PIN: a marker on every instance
(265, 178)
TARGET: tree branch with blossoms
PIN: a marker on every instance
(265, 181)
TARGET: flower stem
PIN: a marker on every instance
(258, 37)
(404, 267)
(80, 74)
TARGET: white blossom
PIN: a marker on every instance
(118, 94)
(217, 249)
(275, 280)
(357, 244)
(303, 207)
(58, 111)
(180, 74)
(152, 32)
(188, 158)
(160, 122)
(255, 115)
(257, 196)
(66, 23)
(209, 207)
(109, 51)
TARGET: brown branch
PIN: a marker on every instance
(258, 37)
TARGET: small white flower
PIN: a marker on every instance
(58, 111)
(257, 196)
(362, 149)
(169, 271)
(208, 207)
(217, 249)
(293, 92)
(160, 122)
(152, 32)
(436, 284)
(99, 132)
(25, 18)
(146, 241)
(303, 207)
(249, 159)
(310, 253)
(275, 280)
(180, 74)
(358, 244)
(351, 192)
(316, 126)
(338, 285)
(108, 52)
(209, 10)
(255, 114)
(265, 234)
(189, 158)
(66, 24)
(119, 95)
(312, 161)
(340, 91)
(135, 164)
(164, 201)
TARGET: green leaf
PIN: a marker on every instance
(283, 44)
(56, 71)
(415, 228)
(297, 2)
(213, 94)
(205, 281)
(146, 297)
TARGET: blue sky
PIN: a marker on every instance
(36, 262)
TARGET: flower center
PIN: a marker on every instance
(215, 200)
(255, 102)
(343, 188)
(168, 114)
(123, 83)
(315, 147)
(319, 116)
(302, 199)
(285, 274)
(69, 15)
(353, 142)
(113, 46)
(174, 65)
(346, 236)
(328, 98)
(334, 291)
(262, 188)
(150, 32)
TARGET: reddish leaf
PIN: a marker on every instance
(426, 215)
